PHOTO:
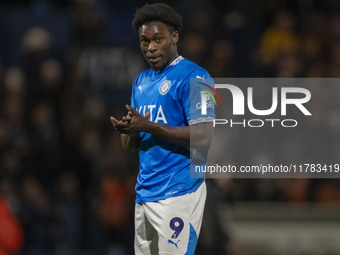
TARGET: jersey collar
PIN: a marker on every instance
(176, 61)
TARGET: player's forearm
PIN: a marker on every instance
(197, 135)
(130, 142)
(179, 135)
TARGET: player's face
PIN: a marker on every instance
(158, 44)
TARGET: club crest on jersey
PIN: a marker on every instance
(165, 87)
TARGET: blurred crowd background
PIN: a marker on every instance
(67, 65)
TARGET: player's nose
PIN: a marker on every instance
(152, 47)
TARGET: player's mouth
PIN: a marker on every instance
(154, 60)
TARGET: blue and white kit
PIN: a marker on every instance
(169, 204)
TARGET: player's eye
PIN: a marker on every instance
(159, 39)
(143, 41)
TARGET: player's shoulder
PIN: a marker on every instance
(191, 69)
(143, 74)
(142, 77)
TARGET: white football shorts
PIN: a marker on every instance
(170, 226)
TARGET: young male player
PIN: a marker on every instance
(169, 204)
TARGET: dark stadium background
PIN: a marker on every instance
(66, 66)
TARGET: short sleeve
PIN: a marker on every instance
(197, 98)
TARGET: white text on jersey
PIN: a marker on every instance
(150, 108)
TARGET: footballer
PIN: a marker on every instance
(159, 123)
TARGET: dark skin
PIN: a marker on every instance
(159, 46)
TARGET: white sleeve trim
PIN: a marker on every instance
(201, 120)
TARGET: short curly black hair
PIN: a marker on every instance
(157, 12)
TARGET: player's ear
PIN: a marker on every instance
(175, 37)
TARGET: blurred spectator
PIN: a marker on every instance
(50, 81)
(88, 23)
(68, 216)
(116, 208)
(13, 104)
(219, 59)
(47, 150)
(216, 236)
(280, 37)
(194, 46)
(36, 47)
(289, 66)
(315, 38)
(36, 217)
(11, 234)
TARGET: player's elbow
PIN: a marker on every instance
(130, 143)
(204, 143)
(129, 148)
(201, 135)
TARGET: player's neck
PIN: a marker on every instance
(173, 59)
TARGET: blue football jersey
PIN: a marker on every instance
(164, 167)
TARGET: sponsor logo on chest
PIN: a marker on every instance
(156, 113)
